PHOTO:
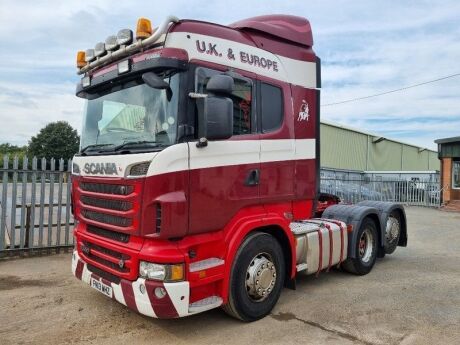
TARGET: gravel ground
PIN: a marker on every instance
(411, 297)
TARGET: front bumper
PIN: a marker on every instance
(174, 304)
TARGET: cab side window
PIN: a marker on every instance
(241, 97)
(271, 107)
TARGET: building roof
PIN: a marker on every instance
(338, 125)
(447, 140)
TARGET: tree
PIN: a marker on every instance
(12, 150)
(55, 140)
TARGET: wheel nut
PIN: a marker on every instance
(274, 275)
(257, 282)
(263, 293)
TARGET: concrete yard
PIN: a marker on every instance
(411, 297)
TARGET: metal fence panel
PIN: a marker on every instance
(419, 193)
(35, 212)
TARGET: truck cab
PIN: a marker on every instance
(198, 172)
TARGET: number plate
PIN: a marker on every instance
(101, 287)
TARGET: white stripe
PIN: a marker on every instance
(224, 153)
(118, 293)
(305, 149)
(179, 294)
(75, 258)
(217, 154)
(123, 162)
(171, 159)
(86, 275)
(142, 300)
(297, 72)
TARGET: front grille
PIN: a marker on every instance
(103, 274)
(106, 188)
(116, 255)
(107, 251)
(107, 218)
(113, 235)
(107, 203)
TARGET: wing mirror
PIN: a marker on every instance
(155, 82)
(220, 84)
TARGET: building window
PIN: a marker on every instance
(456, 174)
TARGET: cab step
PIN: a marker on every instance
(205, 304)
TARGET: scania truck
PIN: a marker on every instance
(197, 179)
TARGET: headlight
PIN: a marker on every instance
(167, 273)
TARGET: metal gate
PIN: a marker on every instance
(35, 209)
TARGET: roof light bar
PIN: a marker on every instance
(124, 37)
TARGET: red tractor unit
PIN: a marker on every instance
(197, 180)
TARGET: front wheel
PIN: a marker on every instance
(256, 278)
(365, 250)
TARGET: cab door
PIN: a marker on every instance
(278, 147)
(225, 175)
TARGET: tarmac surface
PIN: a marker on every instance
(410, 297)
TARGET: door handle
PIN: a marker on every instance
(253, 178)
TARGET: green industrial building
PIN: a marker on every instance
(348, 149)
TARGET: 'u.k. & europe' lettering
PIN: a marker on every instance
(244, 57)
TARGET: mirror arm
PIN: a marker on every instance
(203, 142)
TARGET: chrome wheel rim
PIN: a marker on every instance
(260, 277)
(366, 246)
(392, 230)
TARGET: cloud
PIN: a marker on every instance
(365, 47)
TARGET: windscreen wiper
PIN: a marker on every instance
(136, 143)
(86, 148)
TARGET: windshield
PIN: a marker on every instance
(138, 115)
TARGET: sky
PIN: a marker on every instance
(366, 47)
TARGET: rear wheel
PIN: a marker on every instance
(365, 250)
(392, 232)
(256, 279)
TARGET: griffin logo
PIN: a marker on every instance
(304, 112)
(100, 168)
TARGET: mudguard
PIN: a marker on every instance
(385, 209)
(354, 215)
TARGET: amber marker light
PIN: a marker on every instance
(81, 62)
(144, 28)
(177, 272)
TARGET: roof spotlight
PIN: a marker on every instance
(111, 43)
(99, 49)
(89, 55)
(125, 36)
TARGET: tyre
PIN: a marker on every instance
(257, 278)
(392, 232)
(365, 249)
